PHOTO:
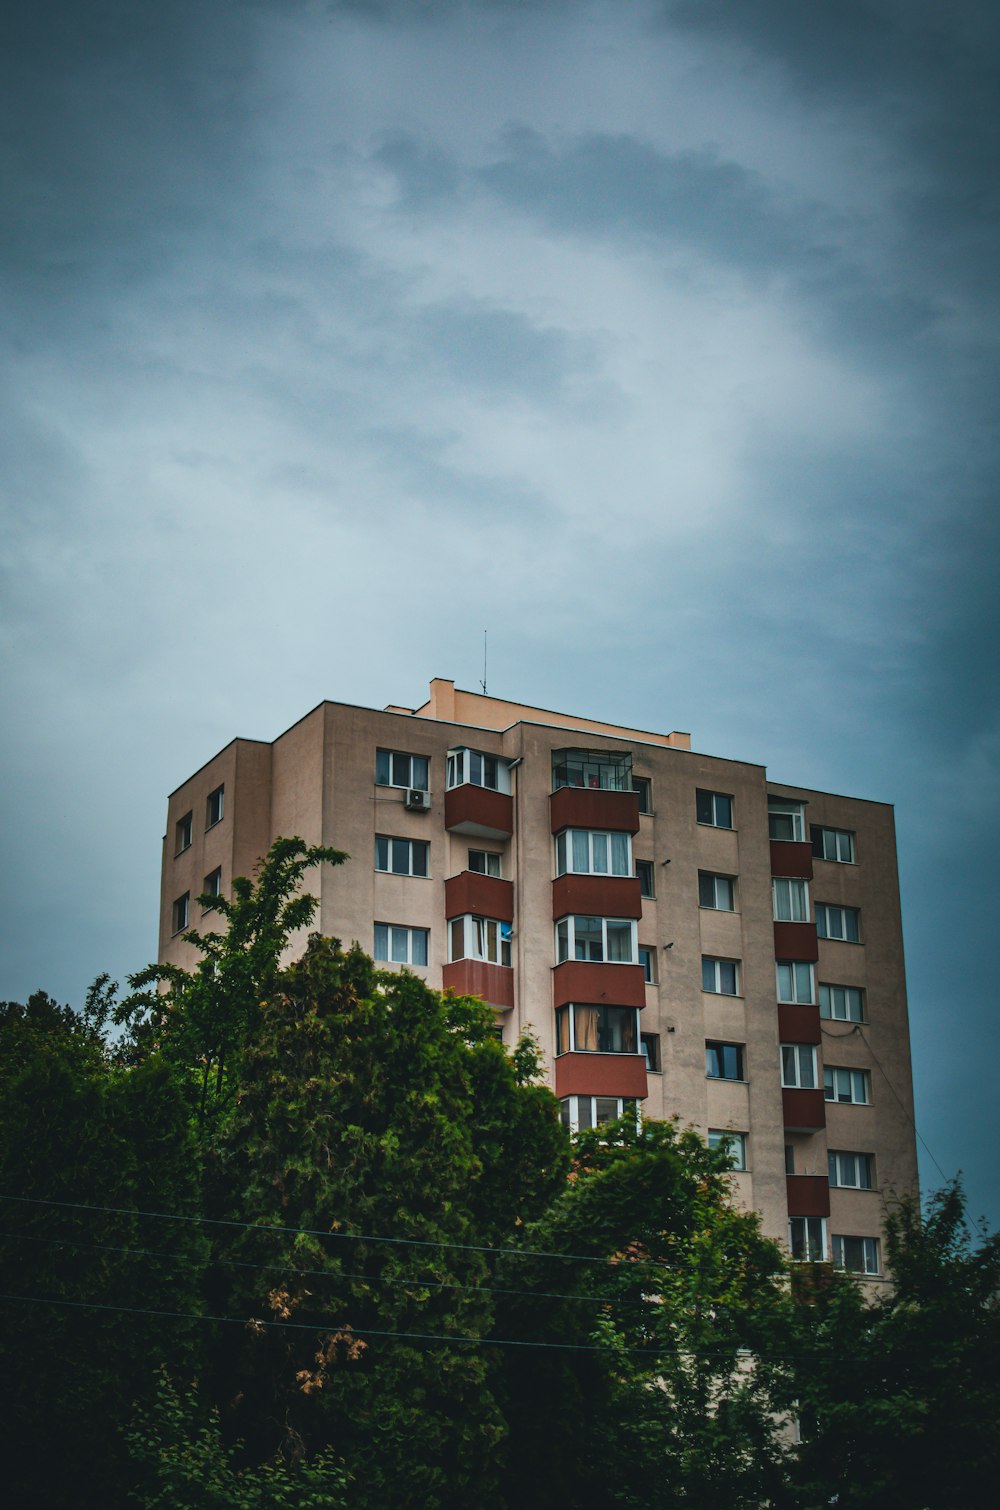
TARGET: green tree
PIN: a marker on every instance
(900, 1395)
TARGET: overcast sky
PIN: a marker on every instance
(660, 339)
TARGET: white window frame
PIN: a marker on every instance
(648, 964)
(566, 930)
(415, 767)
(834, 844)
(181, 913)
(594, 840)
(850, 1171)
(645, 874)
(719, 1043)
(716, 962)
(737, 1141)
(870, 1256)
(794, 810)
(813, 1246)
(396, 932)
(713, 805)
(643, 788)
(650, 1048)
(569, 1019)
(570, 1107)
(481, 938)
(410, 848)
(792, 979)
(491, 866)
(852, 996)
(720, 888)
(790, 899)
(831, 912)
(215, 806)
(212, 886)
(467, 767)
(183, 833)
(842, 1085)
(799, 1071)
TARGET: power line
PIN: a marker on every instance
(906, 1110)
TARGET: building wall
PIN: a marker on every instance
(318, 781)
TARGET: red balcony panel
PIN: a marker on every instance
(798, 1024)
(477, 811)
(597, 896)
(795, 941)
(804, 1111)
(487, 896)
(590, 807)
(474, 977)
(791, 858)
(612, 985)
(808, 1195)
(601, 1075)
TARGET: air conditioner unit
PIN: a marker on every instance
(417, 801)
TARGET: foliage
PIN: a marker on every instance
(902, 1394)
(205, 1017)
(183, 1463)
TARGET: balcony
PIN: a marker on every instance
(790, 857)
(596, 896)
(479, 812)
(601, 1075)
(473, 892)
(808, 1194)
(803, 1111)
(593, 807)
(583, 980)
(798, 1024)
(796, 941)
(476, 977)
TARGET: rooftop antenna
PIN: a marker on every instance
(483, 682)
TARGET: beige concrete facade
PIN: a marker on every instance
(319, 780)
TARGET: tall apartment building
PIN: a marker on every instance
(678, 931)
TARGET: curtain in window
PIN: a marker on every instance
(619, 854)
(586, 1024)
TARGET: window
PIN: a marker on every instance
(485, 861)
(791, 901)
(798, 1066)
(592, 768)
(796, 981)
(651, 1052)
(647, 959)
(579, 1112)
(213, 885)
(645, 873)
(597, 1029)
(842, 1003)
(720, 975)
(400, 946)
(643, 788)
(715, 891)
(586, 852)
(609, 939)
(216, 806)
(402, 857)
(474, 768)
(807, 1239)
(714, 808)
(833, 844)
(852, 1087)
(789, 1158)
(735, 1144)
(724, 1061)
(182, 833)
(472, 937)
(395, 768)
(786, 819)
(838, 923)
(859, 1255)
(852, 1171)
(181, 912)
